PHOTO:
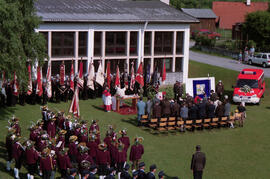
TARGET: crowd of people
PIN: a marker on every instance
(70, 146)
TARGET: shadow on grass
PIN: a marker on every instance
(6, 112)
(98, 107)
(170, 177)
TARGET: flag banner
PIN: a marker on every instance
(29, 87)
(100, 75)
(39, 81)
(71, 83)
(15, 85)
(108, 73)
(49, 81)
(132, 80)
(91, 76)
(74, 106)
(80, 79)
(148, 76)
(164, 71)
(139, 75)
(62, 74)
(117, 78)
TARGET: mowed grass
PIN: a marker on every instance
(231, 153)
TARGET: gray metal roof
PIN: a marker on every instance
(109, 11)
(200, 13)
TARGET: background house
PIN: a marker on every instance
(206, 17)
(230, 13)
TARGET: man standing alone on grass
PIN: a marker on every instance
(198, 163)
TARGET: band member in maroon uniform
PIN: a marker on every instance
(136, 152)
(63, 162)
(93, 147)
(51, 128)
(17, 153)
(61, 140)
(121, 157)
(47, 164)
(72, 152)
(124, 139)
(9, 143)
(94, 129)
(16, 126)
(32, 157)
(103, 159)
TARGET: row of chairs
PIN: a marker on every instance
(173, 123)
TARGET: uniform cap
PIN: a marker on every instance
(152, 167)
(136, 173)
(141, 164)
(161, 174)
(126, 167)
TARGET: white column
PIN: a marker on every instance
(90, 47)
(103, 46)
(174, 51)
(139, 49)
(128, 50)
(186, 55)
(49, 45)
(76, 47)
(152, 51)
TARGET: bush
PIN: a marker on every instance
(169, 91)
(201, 40)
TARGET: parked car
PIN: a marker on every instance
(206, 32)
(260, 59)
(250, 86)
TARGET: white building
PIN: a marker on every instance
(118, 31)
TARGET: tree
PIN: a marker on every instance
(19, 42)
(257, 28)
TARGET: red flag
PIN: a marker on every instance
(62, 74)
(132, 80)
(74, 106)
(15, 85)
(109, 74)
(117, 78)
(139, 75)
(39, 81)
(72, 78)
(49, 81)
(80, 79)
(164, 71)
(30, 87)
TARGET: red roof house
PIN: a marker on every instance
(229, 13)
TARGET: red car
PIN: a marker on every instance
(206, 32)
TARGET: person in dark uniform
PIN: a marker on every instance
(63, 162)
(124, 174)
(9, 93)
(211, 109)
(141, 172)
(136, 152)
(32, 156)
(135, 174)
(57, 89)
(93, 171)
(202, 109)
(175, 109)
(72, 173)
(111, 173)
(151, 173)
(161, 175)
(166, 108)
(22, 96)
(44, 94)
(157, 111)
(193, 111)
(220, 89)
(198, 163)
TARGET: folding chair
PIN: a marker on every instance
(162, 125)
(206, 123)
(189, 124)
(198, 124)
(153, 123)
(224, 121)
(144, 121)
(214, 122)
(171, 119)
(171, 125)
(180, 125)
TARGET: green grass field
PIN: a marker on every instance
(231, 153)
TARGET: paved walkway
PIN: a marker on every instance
(223, 62)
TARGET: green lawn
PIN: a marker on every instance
(231, 153)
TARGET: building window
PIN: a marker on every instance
(63, 44)
(133, 43)
(97, 43)
(158, 64)
(179, 42)
(114, 62)
(115, 43)
(147, 43)
(178, 64)
(45, 35)
(83, 44)
(163, 43)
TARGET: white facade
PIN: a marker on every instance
(140, 28)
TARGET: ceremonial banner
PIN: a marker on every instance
(72, 77)
(132, 80)
(15, 85)
(100, 75)
(139, 75)
(80, 79)
(164, 71)
(148, 76)
(62, 74)
(49, 81)
(91, 76)
(74, 106)
(29, 87)
(39, 81)
(117, 78)
(108, 73)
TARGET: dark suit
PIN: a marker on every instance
(202, 110)
(211, 110)
(166, 108)
(109, 177)
(91, 176)
(197, 164)
(157, 111)
(125, 175)
(150, 175)
(142, 174)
